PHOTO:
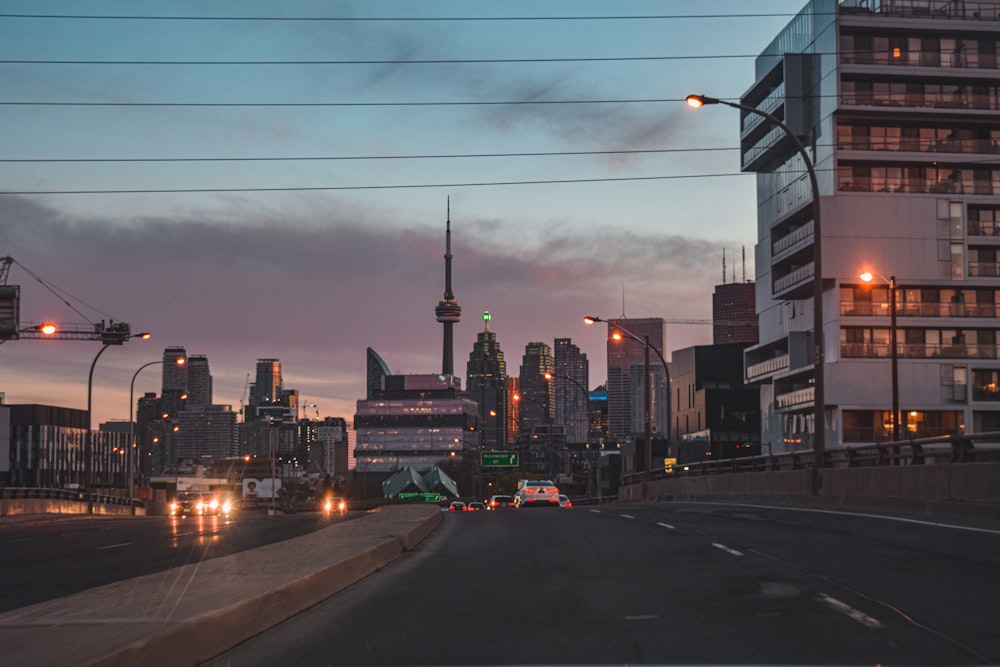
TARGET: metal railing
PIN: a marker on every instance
(948, 449)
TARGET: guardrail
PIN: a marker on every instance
(30, 492)
(964, 448)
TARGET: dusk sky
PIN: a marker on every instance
(249, 189)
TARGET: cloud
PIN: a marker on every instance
(316, 293)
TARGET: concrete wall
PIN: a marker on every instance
(23, 506)
(971, 490)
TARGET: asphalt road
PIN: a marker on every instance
(670, 584)
(45, 561)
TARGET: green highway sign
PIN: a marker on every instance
(498, 459)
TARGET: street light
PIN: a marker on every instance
(111, 335)
(819, 399)
(868, 276)
(647, 390)
(180, 361)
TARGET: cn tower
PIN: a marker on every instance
(448, 311)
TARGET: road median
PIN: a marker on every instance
(189, 614)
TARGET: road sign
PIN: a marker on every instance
(498, 459)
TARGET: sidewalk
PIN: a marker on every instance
(191, 613)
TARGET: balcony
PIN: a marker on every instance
(785, 242)
(767, 367)
(797, 278)
(795, 398)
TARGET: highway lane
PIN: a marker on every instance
(674, 583)
(45, 561)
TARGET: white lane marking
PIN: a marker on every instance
(847, 610)
(115, 546)
(867, 515)
(641, 617)
(734, 552)
(666, 525)
(23, 539)
(596, 511)
(626, 516)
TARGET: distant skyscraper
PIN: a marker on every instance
(537, 392)
(265, 392)
(572, 375)
(377, 369)
(175, 376)
(206, 432)
(448, 311)
(486, 383)
(621, 355)
(734, 314)
(199, 381)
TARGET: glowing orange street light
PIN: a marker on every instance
(867, 277)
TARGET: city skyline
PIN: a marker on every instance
(316, 276)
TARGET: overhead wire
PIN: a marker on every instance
(404, 19)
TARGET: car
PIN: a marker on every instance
(334, 505)
(457, 506)
(476, 506)
(499, 502)
(199, 503)
(564, 501)
(537, 493)
(190, 503)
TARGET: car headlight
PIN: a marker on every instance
(227, 507)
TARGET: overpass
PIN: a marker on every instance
(956, 474)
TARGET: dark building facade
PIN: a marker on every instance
(716, 415)
(734, 314)
(486, 383)
(536, 390)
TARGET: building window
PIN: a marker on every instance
(985, 385)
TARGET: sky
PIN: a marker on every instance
(272, 179)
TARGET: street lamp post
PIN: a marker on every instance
(110, 336)
(131, 428)
(819, 398)
(647, 390)
(868, 276)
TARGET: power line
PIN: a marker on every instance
(364, 187)
(27, 103)
(320, 158)
(405, 19)
(422, 61)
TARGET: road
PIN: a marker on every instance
(672, 583)
(45, 561)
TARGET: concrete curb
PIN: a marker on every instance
(190, 614)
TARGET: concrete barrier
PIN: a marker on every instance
(970, 489)
(191, 613)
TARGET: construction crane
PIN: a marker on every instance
(109, 333)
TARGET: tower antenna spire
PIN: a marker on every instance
(448, 311)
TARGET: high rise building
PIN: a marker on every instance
(206, 432)
(537, 392)
(486, 383)
(513, 409)
(570, 379)
(175, 376)
(659, 400)
(622, 353)
(897, 106)
(376, 371)
(734, 314)
(199, 381)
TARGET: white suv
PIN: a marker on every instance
(537, 492)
